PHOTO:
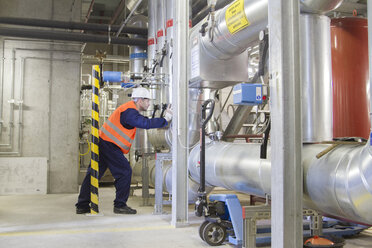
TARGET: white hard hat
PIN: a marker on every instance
(141, 93)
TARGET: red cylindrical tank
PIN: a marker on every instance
(350, 73)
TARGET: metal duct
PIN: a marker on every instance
(167, 178)
(227, 44)
(141, 9)
(222, 43)
(68, 36)
(316, 78)
(339, 183)
(71, 25)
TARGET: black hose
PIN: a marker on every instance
(68, 36)
(204, 121)
(263, 153)
(156, 107)
(163, 109)
(71, 25)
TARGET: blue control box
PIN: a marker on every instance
(248, 94)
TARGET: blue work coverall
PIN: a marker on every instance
(110, 156)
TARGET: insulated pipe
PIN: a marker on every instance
(67, 36)
(151, 33)
(339, 183)
(169, 32)
(193, 186)
(238, 26)
(71, 25)
(138, 57)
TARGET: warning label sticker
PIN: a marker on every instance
(235, 17)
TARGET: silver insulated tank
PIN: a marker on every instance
(316, 77)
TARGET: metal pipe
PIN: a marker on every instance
(151, 34)
(339, 183)
(67, 36)
(169, 32)
(240, 116)
(71, 25)
(90, 10)
(197, 17)
(128, 18)
(118, 10)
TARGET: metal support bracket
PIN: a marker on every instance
(159, 160)
(253, 213)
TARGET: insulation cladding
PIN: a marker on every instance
(349, 41)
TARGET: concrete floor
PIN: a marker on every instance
(50, 221)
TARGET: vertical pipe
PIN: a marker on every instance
(169, 37)
(285, 104)
(95, 139)
(151, 33)
(180, 124)
(369, 9)
(161, 48)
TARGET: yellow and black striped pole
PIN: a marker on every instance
(95, 139)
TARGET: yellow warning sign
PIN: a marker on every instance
(235, 17)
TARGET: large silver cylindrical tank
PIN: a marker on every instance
(339, 183)
(316, 77)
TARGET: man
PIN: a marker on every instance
(116, 137)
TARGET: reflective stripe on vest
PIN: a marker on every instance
(118, 142)
(113, 131)
(123, 135)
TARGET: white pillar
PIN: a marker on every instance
(180, 124)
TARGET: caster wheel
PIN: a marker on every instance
(201, 229)
(214, 234)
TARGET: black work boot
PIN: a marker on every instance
(82, 210)
(124, 210)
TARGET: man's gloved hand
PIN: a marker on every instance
(168, 114)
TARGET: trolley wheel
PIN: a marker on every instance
(214, 234)
(201, 229)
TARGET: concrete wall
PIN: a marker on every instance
(42, 78)
(23, 176)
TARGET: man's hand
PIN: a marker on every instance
(168, 113)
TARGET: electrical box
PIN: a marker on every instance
(248, 94)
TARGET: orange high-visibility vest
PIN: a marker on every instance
(114, 132)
